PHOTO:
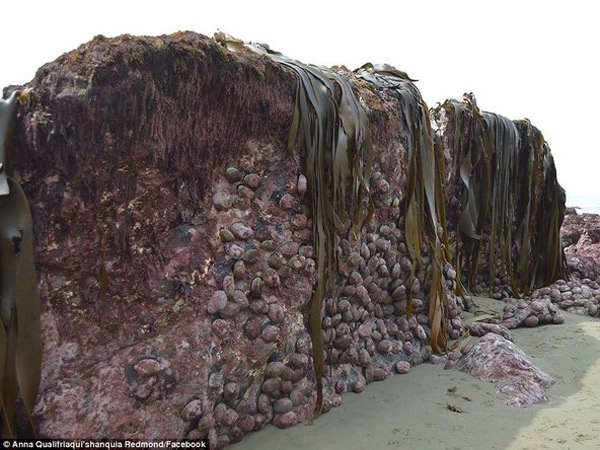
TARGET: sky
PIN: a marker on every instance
(526, 58)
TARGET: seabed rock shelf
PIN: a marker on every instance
(182, 238)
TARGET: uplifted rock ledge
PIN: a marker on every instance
(162, 162)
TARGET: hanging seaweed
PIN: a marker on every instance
(330, 128)
(20, 341)
(503, 167)
(540, 212)
(425, 215)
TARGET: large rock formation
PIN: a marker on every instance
(176, 247)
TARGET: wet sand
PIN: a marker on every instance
(411, 411)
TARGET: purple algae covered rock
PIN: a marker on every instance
(494, 358)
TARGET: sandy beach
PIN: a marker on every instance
(411, 411)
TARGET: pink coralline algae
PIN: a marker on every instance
(496, 359)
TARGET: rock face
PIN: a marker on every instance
(581, 239)
(163, 164)
(493, 358)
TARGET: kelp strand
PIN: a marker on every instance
(425, 215)
(511, 202)
(20, 339)
(333, 136)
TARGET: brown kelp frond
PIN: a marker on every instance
(425, 216)
(331, 131)
(540, 212)
(502, 166)
(501, 144)
(20, 341)
(7, 122)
